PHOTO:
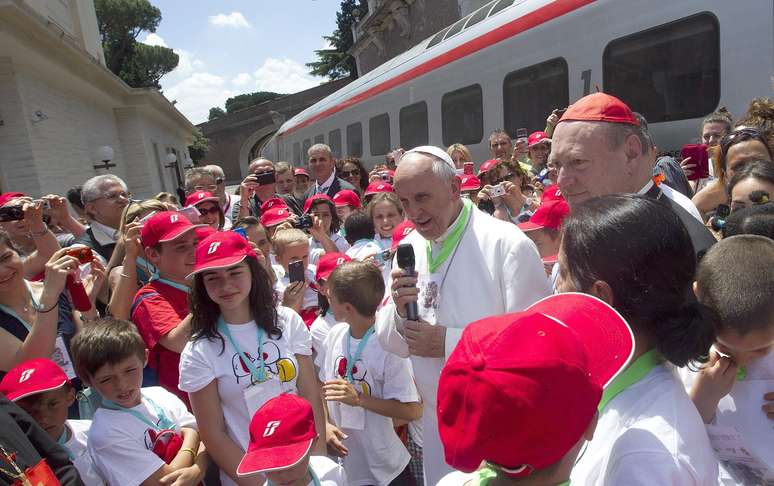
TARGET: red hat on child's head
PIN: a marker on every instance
(536, 138)
(7, 197)
(274, 216)
(401, 231)
(550, 214)
(470, 183)
(274, 202)
(520, 389)
(346, 197)
(328, 264)
(600, 107)
(377, 187)
(165, 226)
(199, 197)
(487, 166)
(220, 250)
(317, 197)
(34, 376)
(300, 172)
(281, 435)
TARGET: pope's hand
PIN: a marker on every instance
(404, 290)
(425, 339)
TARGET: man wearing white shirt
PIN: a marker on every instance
(323, 171)
(468, 266)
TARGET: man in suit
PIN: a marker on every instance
(323, 171)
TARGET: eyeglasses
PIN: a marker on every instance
(211, 187)
(350, 173)
(206, 211)
(113, 197)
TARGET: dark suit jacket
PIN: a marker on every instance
(701, 237)
(338, 185)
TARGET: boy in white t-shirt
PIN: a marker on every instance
(325, 320)
(138, 435)
(41, 388)
(736, 388)
(366, 387)
(360, 235)
(282, 434)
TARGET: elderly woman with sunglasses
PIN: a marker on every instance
(742, 145)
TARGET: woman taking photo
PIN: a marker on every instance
(649, 431)
(244, 351)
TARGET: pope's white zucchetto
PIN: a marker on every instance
(434, 152)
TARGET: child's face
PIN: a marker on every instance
(257, 235)
(343, 213)
(49, 409)
(386, 217)
(546, 245)
(209, 214)
(296, 475)
(323, 211)
(293, 253)
(176, 258)
(229, 287)
(748, 348)
(120, 383)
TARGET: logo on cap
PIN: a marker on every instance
(339, 261)
(271, 427)
(173, 218)
(213, 247)
(26, 374)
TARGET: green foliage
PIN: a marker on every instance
(249, 99)
(199, 148)
(337, 63)
(120, 22)
(216, 113)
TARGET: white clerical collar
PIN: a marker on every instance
(327, 184)
(105, 235)
(442, 238)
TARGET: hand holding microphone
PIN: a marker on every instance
(404, 283)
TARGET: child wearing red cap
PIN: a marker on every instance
(347, 202)
(292, 245)
(325, 320)
(282, 434)
(543, 229)
(324, 233)
(138, 435)
(41, 388)
(386, 211)
(245, 349)
(519, 393)
(208, 206)
(365, 386)
(160, 308)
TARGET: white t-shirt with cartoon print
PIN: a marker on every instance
(77, 447)
(376, 454)
(120, 443)
(205, 360)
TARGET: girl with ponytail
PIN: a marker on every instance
(635, 254)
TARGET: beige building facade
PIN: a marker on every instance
(61, 107)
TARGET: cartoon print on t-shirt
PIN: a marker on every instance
(164, 443)
(283, 368)
(358, 374)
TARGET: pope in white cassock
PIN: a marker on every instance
(469, 265)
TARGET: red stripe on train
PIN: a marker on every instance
(540, 16)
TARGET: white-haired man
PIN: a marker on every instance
(104, 199)
(468, 266)
(323, 171)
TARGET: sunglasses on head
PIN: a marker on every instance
(740, 135)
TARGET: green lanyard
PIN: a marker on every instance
(451, 242)
(63, 442)
(164, 422)
(258, 374)
(315, 480)
(488, 473)
(631, 375)
(351, 360)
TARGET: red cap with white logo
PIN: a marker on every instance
(470, 183)
(165, 226)
(401, 231)
(346, 197)
(536, 138)
(550, 215)
(199, 197)
(315, 199)
(300, 172)
(274, 202)
(34, 376)
(487, 166)
(377, 187)
(274, 216)
(328, 264)
(281, 435)
(220, 250)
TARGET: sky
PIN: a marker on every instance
(230, 47)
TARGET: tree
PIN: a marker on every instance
(337, 63)
(199, 148)
(249, 99)
(216, 113)
(120, 22)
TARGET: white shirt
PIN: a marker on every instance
(105, 235)
(320, 329)
(323, 188)
(119, 442)
(496, 270)
(226, 207)
(328, 472)
(677, 197)
(77, 446)
(457, 478)
(363, 249)
(376, 454)
(649, 434)
(316, 250)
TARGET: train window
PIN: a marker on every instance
(669, 72)
(438, 38)
(355, 140)
(456, 28)
(305, 145)
(413, 125)
(500, 6)
(319, 138)
(334, 140)
(297, 154)
(479, 15)
(379, 134)
(462, 115)
(531, 93)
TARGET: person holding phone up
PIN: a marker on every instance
(258, 187)
(22, 218)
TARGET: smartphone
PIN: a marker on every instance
(44, 203)
(11, 213)
(699, 157)
(82, 253)
(468, 168)
(147, 217)
(265, 178)
(296, 271)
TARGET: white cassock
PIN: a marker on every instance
(495, 269)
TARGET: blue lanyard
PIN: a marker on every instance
(258, 374)
(351, 360)
(164, 422)
(12, 313)
(176, 285)
(315, 480)
(148, 267)
(62, 440)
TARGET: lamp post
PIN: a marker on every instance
(105, 154)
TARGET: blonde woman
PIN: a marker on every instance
(459, 154)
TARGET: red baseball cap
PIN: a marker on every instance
(600, 107)
(551, 193)
(274, 202)
(401, 231)
(536, 138)
(204, 231)
(328, 263)
(470, 183)
(300, 172)
(7, 197)
(220, 250)
(520, 389)
(274, 216)
(281, 435)
(317, 197)
(199, 197)
(346, 197)
(487, 166)
(550, 214)
(377, 187)
(165, 226)
(33, 376)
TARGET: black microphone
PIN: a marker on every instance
(405, 257)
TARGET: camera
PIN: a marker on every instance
(497, 190)
(265, 178)
(11, 213)
(82, 253)
(304, 222)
